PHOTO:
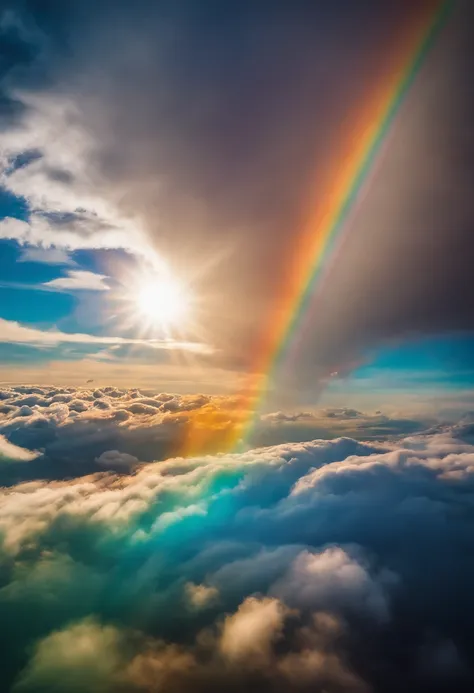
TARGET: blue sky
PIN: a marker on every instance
(427, 374)
(439, 360)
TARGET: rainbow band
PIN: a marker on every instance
(327, 228)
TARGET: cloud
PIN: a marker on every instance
(13, 332)
(201, 596)
(82, 657)
(158, 666)
(48, 256)
(82, 430)
(13, 453)
(73, 232)
(250, 633)
(68, 207)
(343, 413)
(327, 565)
(113, 459)
(331, 578)
(283, 426)
(79, 280)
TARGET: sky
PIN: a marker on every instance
(204, 138)
(236, 346)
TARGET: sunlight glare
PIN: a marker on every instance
(163, 302)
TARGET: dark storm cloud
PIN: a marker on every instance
(326, 566)
(209, 127)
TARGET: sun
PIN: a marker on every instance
(152, 301)
(163, 302)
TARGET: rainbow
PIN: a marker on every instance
(328, 223)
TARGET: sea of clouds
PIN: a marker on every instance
(327, 565)
(77, 431)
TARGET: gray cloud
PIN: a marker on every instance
(278, 427)
(113, 459)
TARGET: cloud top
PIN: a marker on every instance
(327, 565)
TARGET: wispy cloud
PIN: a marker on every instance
(47, 256)
(78, 280)
(12, 332)
(74, 280)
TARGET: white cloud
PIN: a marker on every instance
(251, 631)
(14, 453)
(79, 280)
(106, 428)
(71, 233)
(69, 206)
(13, 332)
(200, 596)
(331, 578)
(48, 256)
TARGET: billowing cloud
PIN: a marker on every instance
(86, 652)
(249, 634)
(328, 565)
(81, 430)
(333, 577)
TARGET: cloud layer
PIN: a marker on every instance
(82, 430)
(330, 566)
